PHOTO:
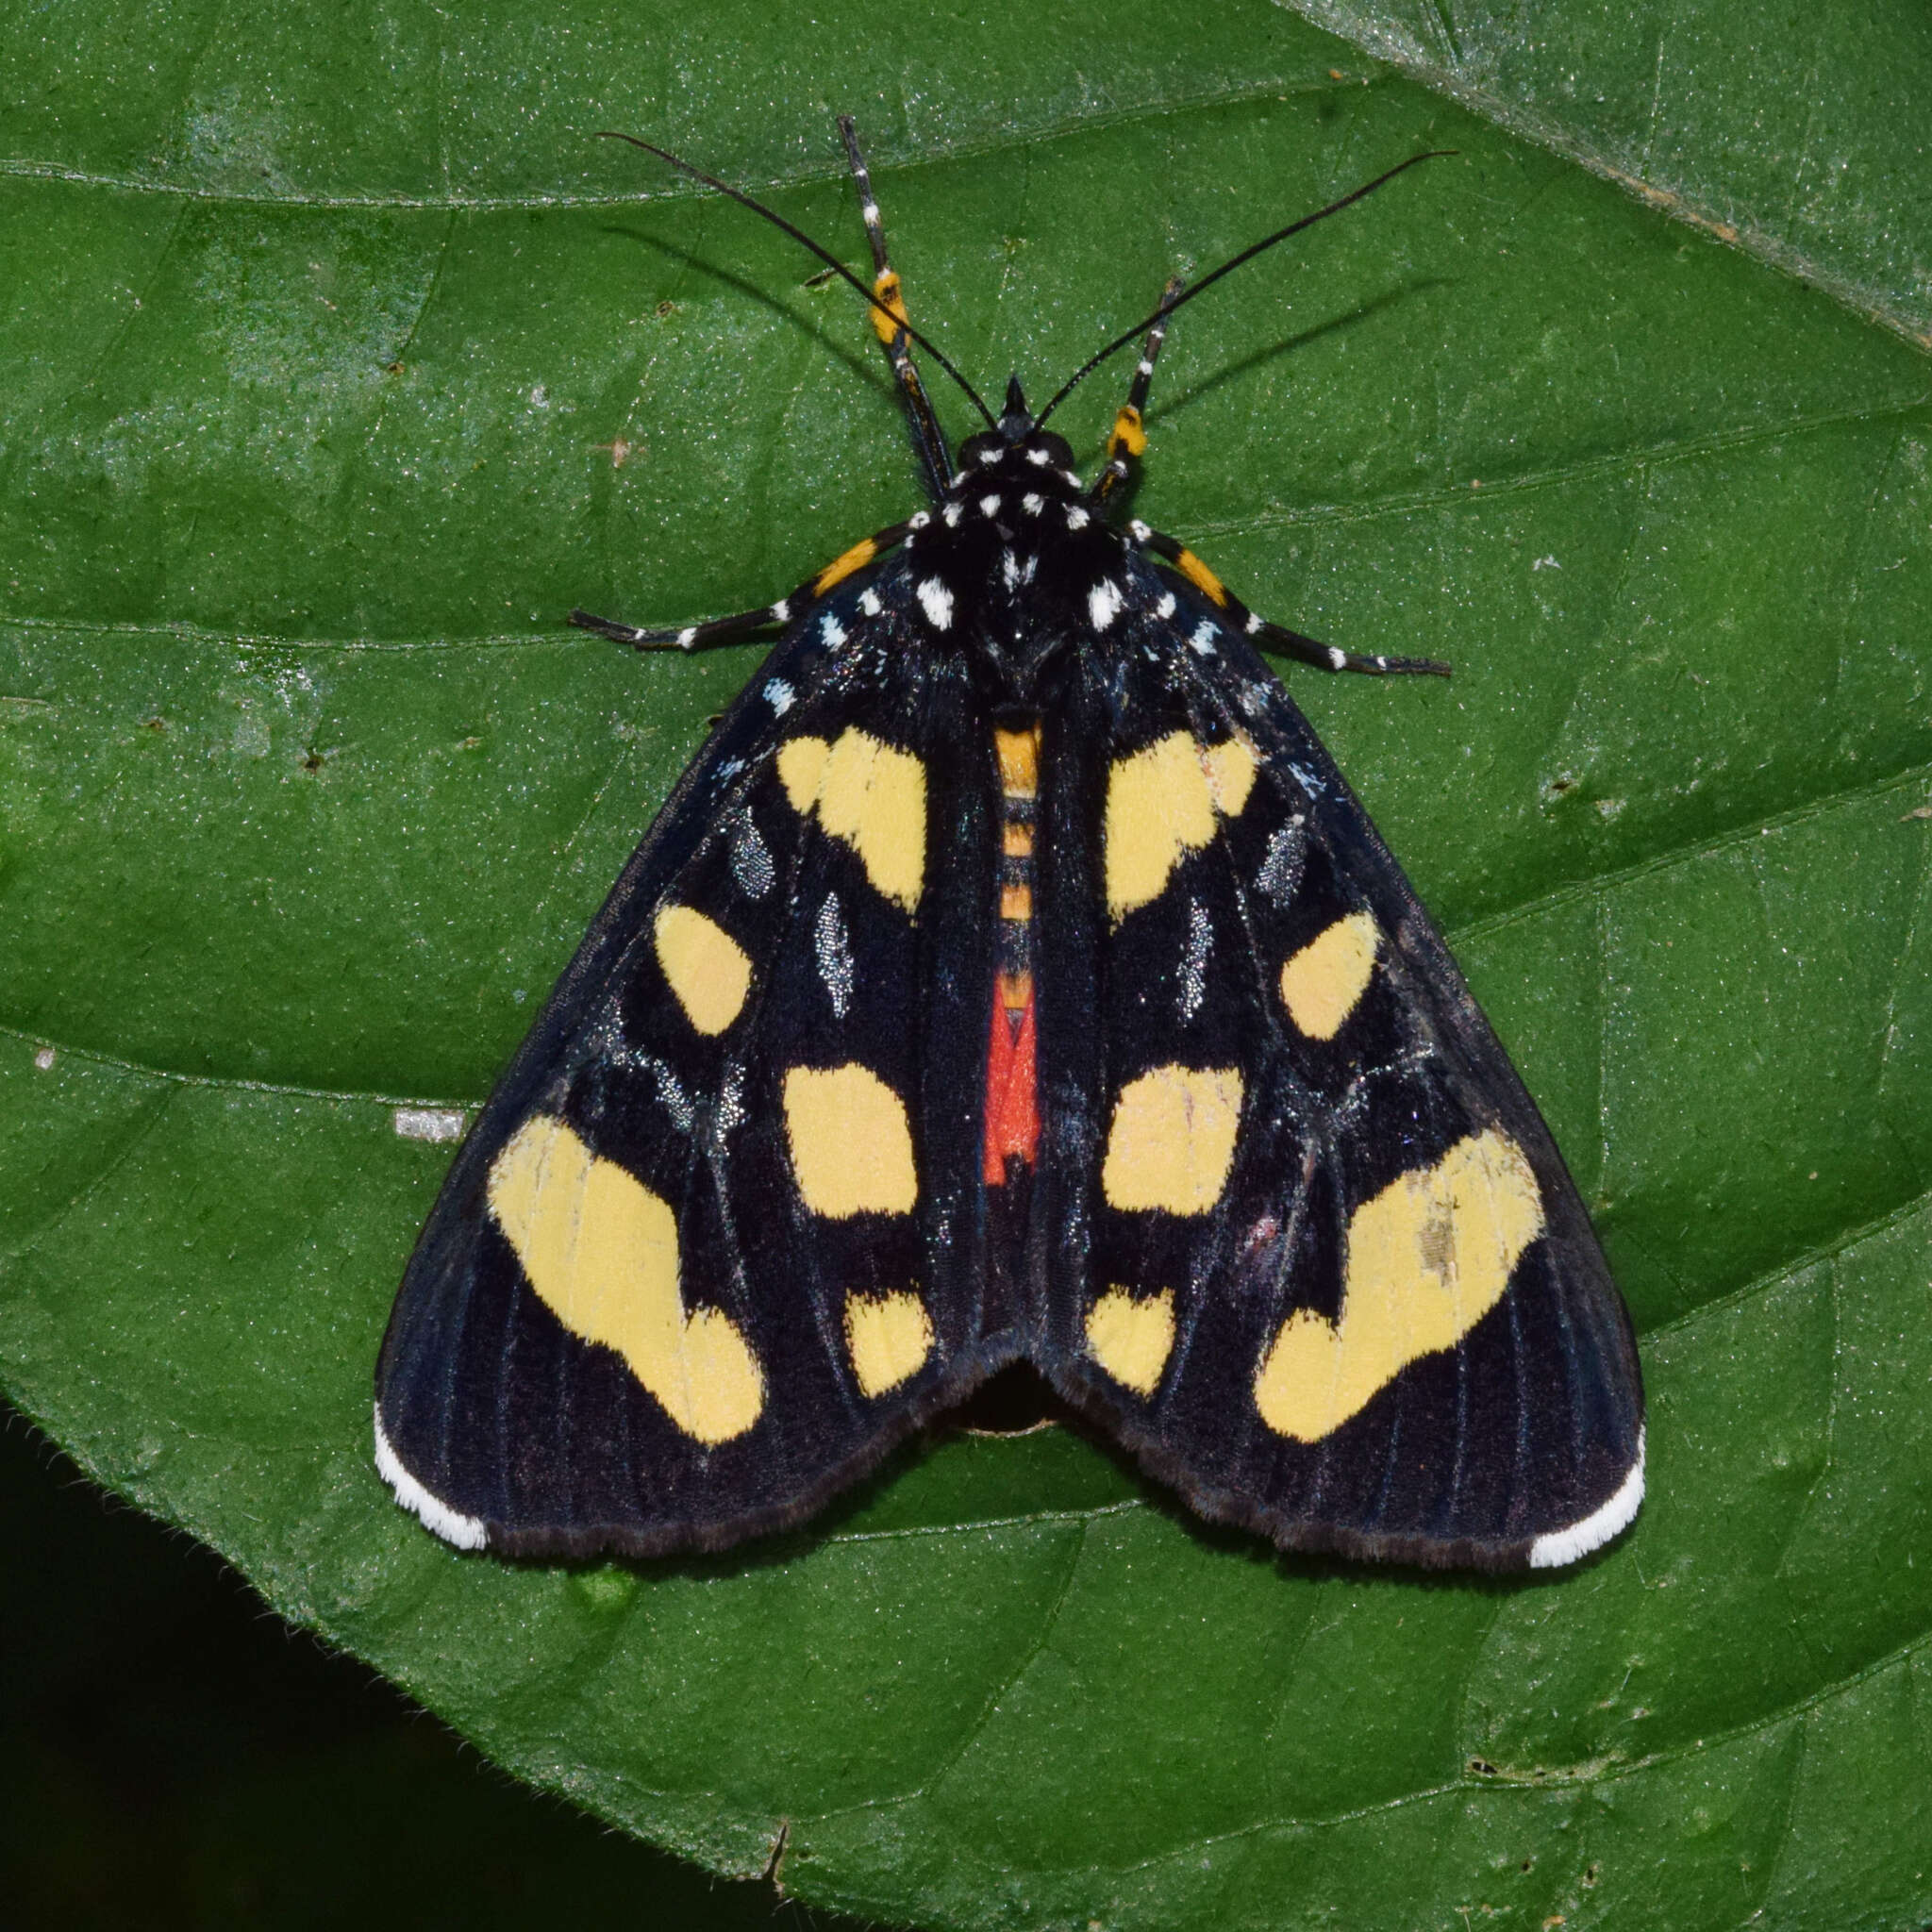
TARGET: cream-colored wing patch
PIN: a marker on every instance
(1131, 1337)
(600, 1251)
(1428, 1257)
(1321, 984)
(851, 1142)
(708, 969)
(1231, 769)
(888, 1336)
(1171, 1141)
(1161, 802)
(870, 796)
(801, 764)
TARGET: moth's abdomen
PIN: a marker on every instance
(1012, 1110)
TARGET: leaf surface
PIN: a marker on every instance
(328, 345)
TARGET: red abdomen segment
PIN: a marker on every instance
(1011, 1109)
(1012, 1119)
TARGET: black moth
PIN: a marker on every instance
(1013, 976)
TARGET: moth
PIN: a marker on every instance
(1012, 976)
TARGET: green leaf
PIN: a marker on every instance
(324, 342)
(1800, 137)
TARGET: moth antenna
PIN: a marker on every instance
(1227, 268)
(824, 255)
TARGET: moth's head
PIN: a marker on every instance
(1015, 431)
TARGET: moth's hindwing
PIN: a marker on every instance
(712, 1246)
(1319, 1262)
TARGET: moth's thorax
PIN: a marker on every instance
(1015, 561)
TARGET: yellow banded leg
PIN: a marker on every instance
(1251, 624)
(1127, 441)
(747, 623)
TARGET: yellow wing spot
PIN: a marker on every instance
(1129, 433)
(1161, 802)
(889, 318)
(843, 566)
(1428, 1257)
(1230, 768)
(801, 765)
(1171, 1141)
(1201, 577)
(1321, 984)
(851, 1142)
(870, 796)
(888, 1336)
(1131, 1337)
(708, 969)
(600, 1251)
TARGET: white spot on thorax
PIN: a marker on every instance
(1203, 639)
(1009, 570)
(834, 950)
(1076, 517)
(832, 631)
(989, 505)
(869, 603)
(1166, 607)
(990, 455)
(952, 514)
(918, 520)
(938, 601)
(1033, 503)
(1037, 455)
(781, 695)
(415, 1122)
(1104, 603)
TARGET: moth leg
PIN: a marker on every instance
(928, 440)
(1128, 436)
(1274, 636)
(747, 623)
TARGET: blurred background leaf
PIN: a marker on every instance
(344, 362)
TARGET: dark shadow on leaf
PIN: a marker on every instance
(872, 373)
(1336, 324)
